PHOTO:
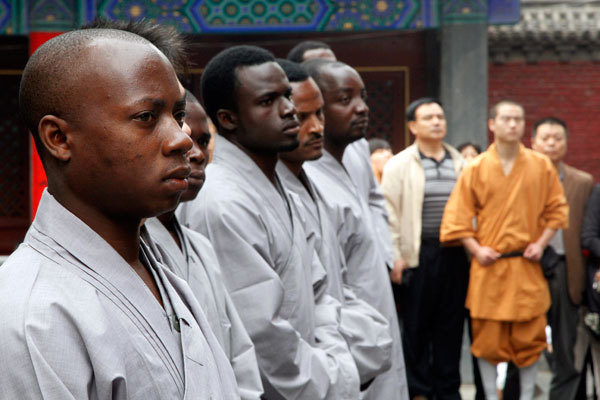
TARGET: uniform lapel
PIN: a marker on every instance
(96, 262)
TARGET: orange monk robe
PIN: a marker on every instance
(511, 211)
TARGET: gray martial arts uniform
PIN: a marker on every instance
(79, 323)
(267, 265)
(366, 331)
(367, 272)
(196, 263)
(357, 162)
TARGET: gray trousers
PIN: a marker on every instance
(563, 318)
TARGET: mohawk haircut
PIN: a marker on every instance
(219, 79)
(296, 54)
(164, 37)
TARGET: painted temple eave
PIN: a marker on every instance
(255, 16)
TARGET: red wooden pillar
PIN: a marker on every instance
(37, 174)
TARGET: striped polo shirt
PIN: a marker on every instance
(440, 178)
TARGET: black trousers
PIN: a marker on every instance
(432, 315)
(563, 318)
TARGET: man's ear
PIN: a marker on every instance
(411, 125)
(227, 119)
(52, 131)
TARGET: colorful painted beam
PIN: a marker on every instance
(256, 16)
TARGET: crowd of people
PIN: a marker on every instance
(302, 262)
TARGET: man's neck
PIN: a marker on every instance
(168, 220)
(558, 165)
(335, 149)
(264, 161)
(120, 233)
(294, 166)
(508, 150)
(432, 149)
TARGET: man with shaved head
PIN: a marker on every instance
(366, 331)
(356, 159)
(517, 201)
(87, 312)
(191, 257)
(347, 118)
(187, 253)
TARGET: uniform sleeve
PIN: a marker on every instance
(556, 209)
(391, 186)
(288, 363)
(41, 363)
(457, 221)
(329, 339)
(243, 356)
(380, 217)
(368, 335)
(590, 230)
(327, 333)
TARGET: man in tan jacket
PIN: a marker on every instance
(416, 184)
(567, 278)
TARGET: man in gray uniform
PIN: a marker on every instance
(87, 311)
(356, 159)
(268, 266)
(191, 256)
(364, 328)
(347, 118)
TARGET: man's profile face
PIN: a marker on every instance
(267, 121)
(509, 124)
(429, 123)
(196, 118)
(309, 104)
(346, 110)
(128, 147)
(323, 53)
(551, 140)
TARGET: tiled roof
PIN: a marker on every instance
(549, 29)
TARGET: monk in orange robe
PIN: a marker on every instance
(518, 203)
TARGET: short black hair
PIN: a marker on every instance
(378, 144)
(296, 54)
(411, 110)
(219, 79)
(494, 109)
(164, 37)
(49, 78)
(548, 120)
(294, 71)
(464, 145)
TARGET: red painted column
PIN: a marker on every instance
(37, 175)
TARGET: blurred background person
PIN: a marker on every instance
(563, 262)
(469, 151)
(381, 152)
